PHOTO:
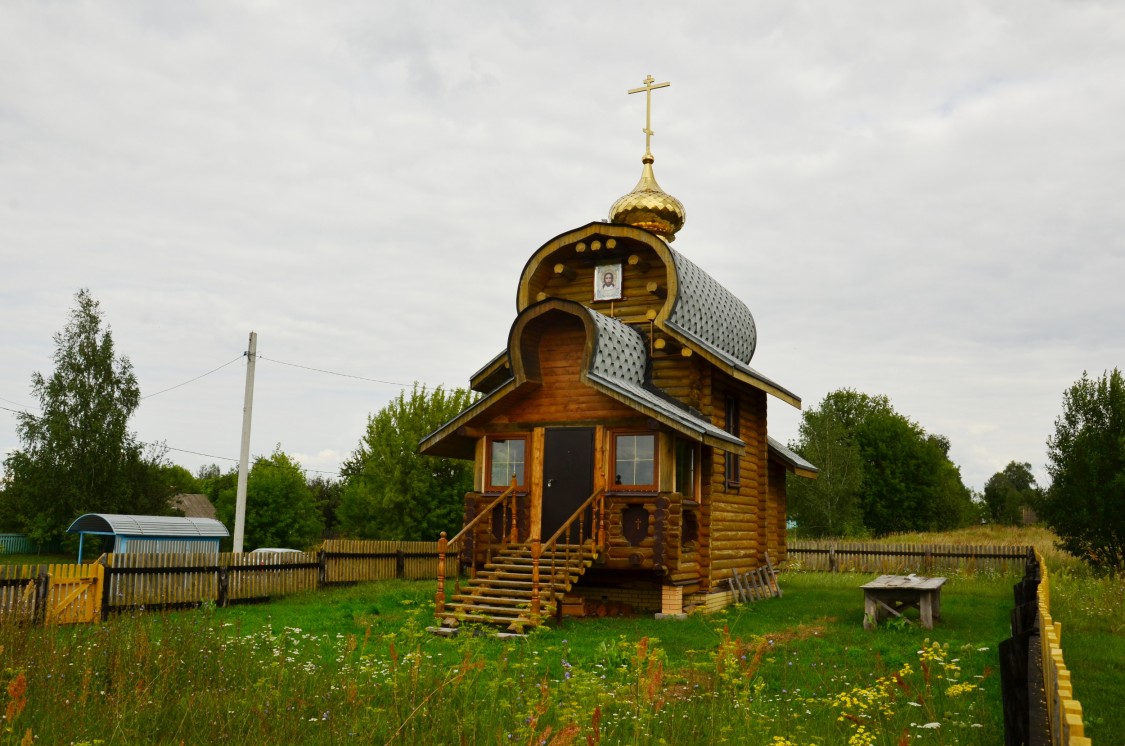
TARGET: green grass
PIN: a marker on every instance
(356, 665)
(37, 559)
(1093, 644)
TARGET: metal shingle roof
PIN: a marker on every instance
(619, 363)
(711, 314)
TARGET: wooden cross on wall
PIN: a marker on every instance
(648, 88)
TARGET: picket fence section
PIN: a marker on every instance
(353, 560)
(1064, 712)
(21, 588)
(61, 594)
(895, 559)
(16, 544)
(82, 593)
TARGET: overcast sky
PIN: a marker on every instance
(922, 200)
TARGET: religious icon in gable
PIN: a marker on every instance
(607, 282)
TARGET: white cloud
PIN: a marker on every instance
(914, 199)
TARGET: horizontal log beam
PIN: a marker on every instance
(655, 288)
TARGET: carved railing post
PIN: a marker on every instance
(514, 537)
(601, 523)
(536, 551)
(439, 600)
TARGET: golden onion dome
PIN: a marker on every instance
(650, 207)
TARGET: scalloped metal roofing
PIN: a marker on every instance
(711, 314)
(148, 525)
(620, 361)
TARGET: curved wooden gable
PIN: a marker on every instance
(570, 363)
(687, 307)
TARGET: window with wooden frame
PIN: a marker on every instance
(634, 461)
(733, 470)
(686, 453)
(507, 457)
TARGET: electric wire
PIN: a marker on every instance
(193, 380)
(26, 410)
(342, 375)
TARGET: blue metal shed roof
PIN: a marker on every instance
(154, 526)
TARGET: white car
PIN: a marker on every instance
(264, 553)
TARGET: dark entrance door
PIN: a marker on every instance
(568, 475)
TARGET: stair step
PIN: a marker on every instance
(546, 559)
(505, 611)
(495, 600)
(501, 592)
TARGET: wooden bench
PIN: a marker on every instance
(893, 594)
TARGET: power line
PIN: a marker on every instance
(215, 370)
(193, 380)
(227, 458)
(342, 375)
(13, 402)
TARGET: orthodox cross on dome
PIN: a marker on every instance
(648, 87)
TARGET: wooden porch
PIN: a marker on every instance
(521, 578)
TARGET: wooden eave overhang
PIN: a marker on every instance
(492, 374)
(668, 319)
(614, 363)
(793, 463)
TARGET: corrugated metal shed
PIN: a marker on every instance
(151, 533)
(152, 526)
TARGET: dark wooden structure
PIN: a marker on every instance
(622, 459)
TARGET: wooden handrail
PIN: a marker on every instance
(570, 521)
(597, 537)
(444, 544)
(487, 511)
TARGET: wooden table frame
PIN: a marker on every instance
(893, 594)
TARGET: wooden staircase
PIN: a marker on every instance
(501, 592)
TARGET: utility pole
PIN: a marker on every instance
(244, 456)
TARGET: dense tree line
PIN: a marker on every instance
(393, 492)
(880, 472)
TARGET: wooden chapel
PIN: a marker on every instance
(620, 446)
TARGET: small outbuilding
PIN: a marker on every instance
(151, 534)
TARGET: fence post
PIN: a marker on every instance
(400, 564)
(224, 586)
(322, 570)
(832, 558)
(42, 595)
(107, 581)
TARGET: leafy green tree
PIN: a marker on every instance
(830, 504)
(280, 508)
(393, 492)
(880, 471)
(1007, 492)
(78, 456)
(327, 494)
(179, 479)
(1086, 461)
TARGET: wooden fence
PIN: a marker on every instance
(78, 593)
(16, 544)
(1064, 712)
(895, 559)
(62, 594)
